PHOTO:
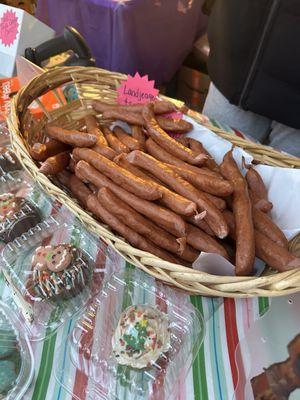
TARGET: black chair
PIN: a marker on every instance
(70, 41)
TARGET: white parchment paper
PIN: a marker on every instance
(283, 185)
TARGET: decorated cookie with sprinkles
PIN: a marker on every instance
(17, 215)
(8, 206)
(52, 258)
(142, 335)
(59, 272)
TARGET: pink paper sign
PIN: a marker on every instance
(9, 28)
(136, 89)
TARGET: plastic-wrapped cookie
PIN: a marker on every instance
(17, 215)
(59, 272)
(141, 336)
(8, 161)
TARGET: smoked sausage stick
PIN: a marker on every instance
(242, 210)
(129, 234)
(162, 155)
(264, 224)
(136, 221)
(105, 151)
(133, 118)
(273, 255)
(166, 141)
(166, 219)
(217, 201)
(200, 223)
(72, 165)
(71, 137)
(101, 146)
(125, 179)
(93, 128)
(126, 139)
(42, 151)
(203, 242)
(208, 184)
(160, 107)
(139, 135)
(214, 217)
(114, 142)
(55, 164)
(199, 148)
(179, 204)
(144, 227)
(258, 190)
(75, 185)
(262, 204)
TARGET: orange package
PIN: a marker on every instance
(10, 86)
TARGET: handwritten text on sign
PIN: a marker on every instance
(137, 89)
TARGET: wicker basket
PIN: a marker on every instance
(94, 83)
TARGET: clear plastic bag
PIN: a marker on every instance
(89, 346)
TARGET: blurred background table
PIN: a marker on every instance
(149, 36)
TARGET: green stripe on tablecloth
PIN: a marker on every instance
(263, 305)
(220, 125)
(126, 302)
(42, 381)
(215, 361)
(218, 349)
(75, 240)
(214, 122)
(199, 375)
(58, 391)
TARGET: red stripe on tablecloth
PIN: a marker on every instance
(238, 133)
(234, 350)
(81, 381)
(240, 390)
(158, 385)
(232, 336)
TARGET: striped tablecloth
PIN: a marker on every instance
(214, 374)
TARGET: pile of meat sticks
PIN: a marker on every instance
(164, 196)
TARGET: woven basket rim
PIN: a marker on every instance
(189, 280)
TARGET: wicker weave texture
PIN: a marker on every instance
(95, 83)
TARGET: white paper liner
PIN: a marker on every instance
(283, 185)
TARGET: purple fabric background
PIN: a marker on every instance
(147, 36)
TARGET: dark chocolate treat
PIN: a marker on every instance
(8, 161)
(59, 272)
(17, 216)
(279, 380)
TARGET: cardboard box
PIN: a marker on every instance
(192, 88)
(18, 30)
